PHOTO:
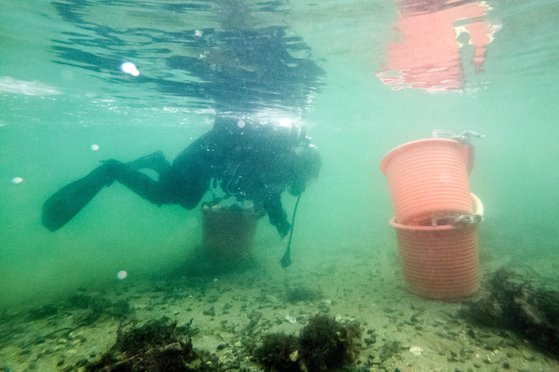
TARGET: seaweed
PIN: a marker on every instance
(154, 333)
(326, 343)
(42, 312)
(512, 302)
(86, 307)
(301, 294)
(158, 345)
(94, 306)
(323, 344)
(279, 352)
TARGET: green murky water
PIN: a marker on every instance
(331, 66)
(56, 104)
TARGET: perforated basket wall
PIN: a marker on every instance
(439, 262)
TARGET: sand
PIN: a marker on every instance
(231, 310)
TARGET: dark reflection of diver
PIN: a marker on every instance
(237, 68)
(254, 162)
(230, 56)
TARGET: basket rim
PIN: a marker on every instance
(408, 145)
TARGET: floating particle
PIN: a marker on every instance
(17, 180)
(95, 147)
(130, 68)
(121, 275)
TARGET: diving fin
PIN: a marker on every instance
(64, 204)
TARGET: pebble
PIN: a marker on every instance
(527, 355)
(290, 319)
(416, 350)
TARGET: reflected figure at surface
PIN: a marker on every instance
(213, 55)
(432, 35)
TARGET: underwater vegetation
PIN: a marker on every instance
(279, 352)
(327, 343)
(157, 345)
(323, 344)
(301, 294)
(95, 305)
(514, 303)
(81, 309)
(87, 307)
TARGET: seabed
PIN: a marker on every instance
(228, 312)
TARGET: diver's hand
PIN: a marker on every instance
(283, 228)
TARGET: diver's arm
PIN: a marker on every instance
(276, 213)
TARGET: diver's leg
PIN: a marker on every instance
(184, 182)
(185, 188)
(63, 205)
(155, 161)
(140, 183)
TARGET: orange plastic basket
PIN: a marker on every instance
(427, 177)
(228, 233)
(439, 262)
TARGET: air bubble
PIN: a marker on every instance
(121, 275)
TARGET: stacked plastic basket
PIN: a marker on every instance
(436, 216)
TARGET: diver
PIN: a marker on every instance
(246, 160)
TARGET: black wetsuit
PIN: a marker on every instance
(249, 162)
(255, 162)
